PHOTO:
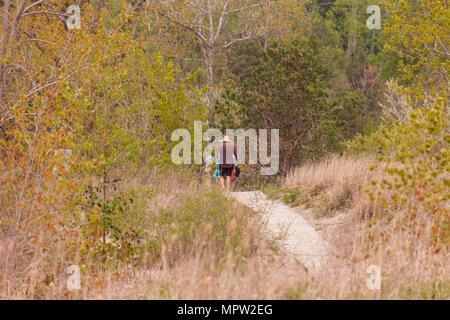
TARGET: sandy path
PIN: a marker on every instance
(298, 236)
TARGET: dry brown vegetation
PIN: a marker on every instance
(228, 255)
(85, 113)
(189, 245)
(341, 179)
(367, 233)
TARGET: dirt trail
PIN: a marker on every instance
(297, 236)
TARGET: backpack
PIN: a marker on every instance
(236, 171)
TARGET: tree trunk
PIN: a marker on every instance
(352, 33)
(208, 57)
(372, 45)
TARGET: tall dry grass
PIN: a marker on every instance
(339, 179)
(332, 174)
(207, 246)
(195, 265)
(374, 234)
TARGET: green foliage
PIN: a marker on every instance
(420, 183)
(368, 143)
(243, 58)
(351, 50)
(190, 225)
(418, 33)
(291, 197)
(417, 145)
(100, 92)
(322, 203)
(134, 111)
(299, 293)
(287, 91)
(200, 221)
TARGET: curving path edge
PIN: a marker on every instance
(298, 237)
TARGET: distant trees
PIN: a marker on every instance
(216, 25)
(287, 91)
(342, 31)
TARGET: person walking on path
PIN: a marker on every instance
(227, 159)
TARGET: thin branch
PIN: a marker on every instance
(245, 8)
(241, 39)
(221, 20)
(42, 12)
(33, 5)
(35, 90)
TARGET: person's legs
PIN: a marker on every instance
(225, 178)
(228, 183)
(222, 182)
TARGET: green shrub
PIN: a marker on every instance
(291, 197)
(208, 220)
(417, 189)
(363, 144)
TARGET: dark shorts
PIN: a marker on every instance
(226, 171)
